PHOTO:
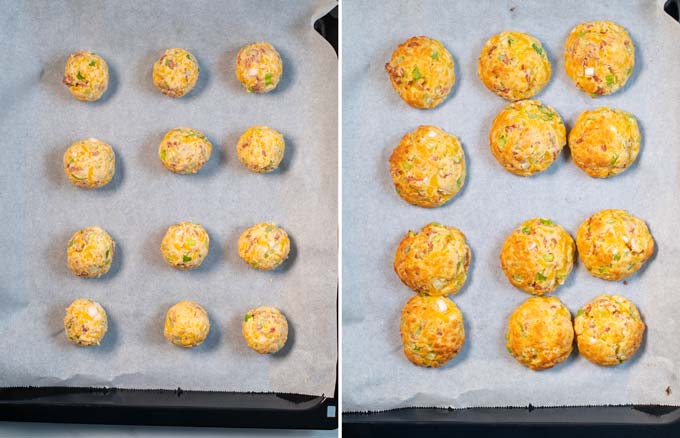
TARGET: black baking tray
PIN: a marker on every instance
(600, 421)
(178, 407)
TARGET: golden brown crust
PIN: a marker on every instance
(514, 65)
(604, 142)
(428, 167)
(432, 330)
(538, 256)
(613, 244)
(527, 137)
(599, 57)
(609, 330)
(434, 261)
(422, 72)
(540, 334)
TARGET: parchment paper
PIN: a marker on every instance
(41, 209)
(376, 374)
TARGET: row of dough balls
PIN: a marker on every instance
(536, 257)
(265, 329)
(264, 246)
(428, 165)
(175, 73)
(540, 333)
(599, 56)
(91, 163)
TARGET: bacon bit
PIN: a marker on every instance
(68, 80)
(599, 90)
(492, 49)
(413, 44)
(84, 328)
(580, 140)
(171, 63)
(264, 153)
(603, 147)
(596, 78)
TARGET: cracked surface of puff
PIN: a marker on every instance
(514, 65)
(422, 72)
(540, 333)
(428, 167)
(599, 57)
(433, 261)
(609, 330)
(614, 244)
(538, 256)
(604, 142)
(526, 137)
(432, 330)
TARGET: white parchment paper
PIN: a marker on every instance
(376, 374)
(40, 209)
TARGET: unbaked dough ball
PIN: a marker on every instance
(422, 72)
(527, 137)
(265, 329)
(90, 252)
(86, 75)
(434, 261)
(85, 322)
(264, 246)
(89, 163)
(538, 256)
(261, 149)
(176, 72)
(514, 65)
(599, 57)
(609, 330)
(613, 244)
(604, 142)
(186, 324)
(184, 150)
(540, 334)
(428, 167)
(259, 67)
(432, 330)
(185, 245)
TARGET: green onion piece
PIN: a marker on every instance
(191, 242)
(436, 224)
(268, 228)
(548, 257)
(435, 55)
(186, 258)
(248, 316)
(541, 277)
(581, 34)
(407, 165)
(107, 253)
(537, 49)
(526, 229)
(610, 80)
(268, 79)
(459, 181)
(617, 256)
(614, 160)
(580, 312)
(80, 77)
(501, 141)
(416, 73)
(168, 63)
(92, 63)
(629, 71)
(546, 221)
(163, 154)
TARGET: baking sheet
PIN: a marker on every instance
(41, 209)
(376, 374)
